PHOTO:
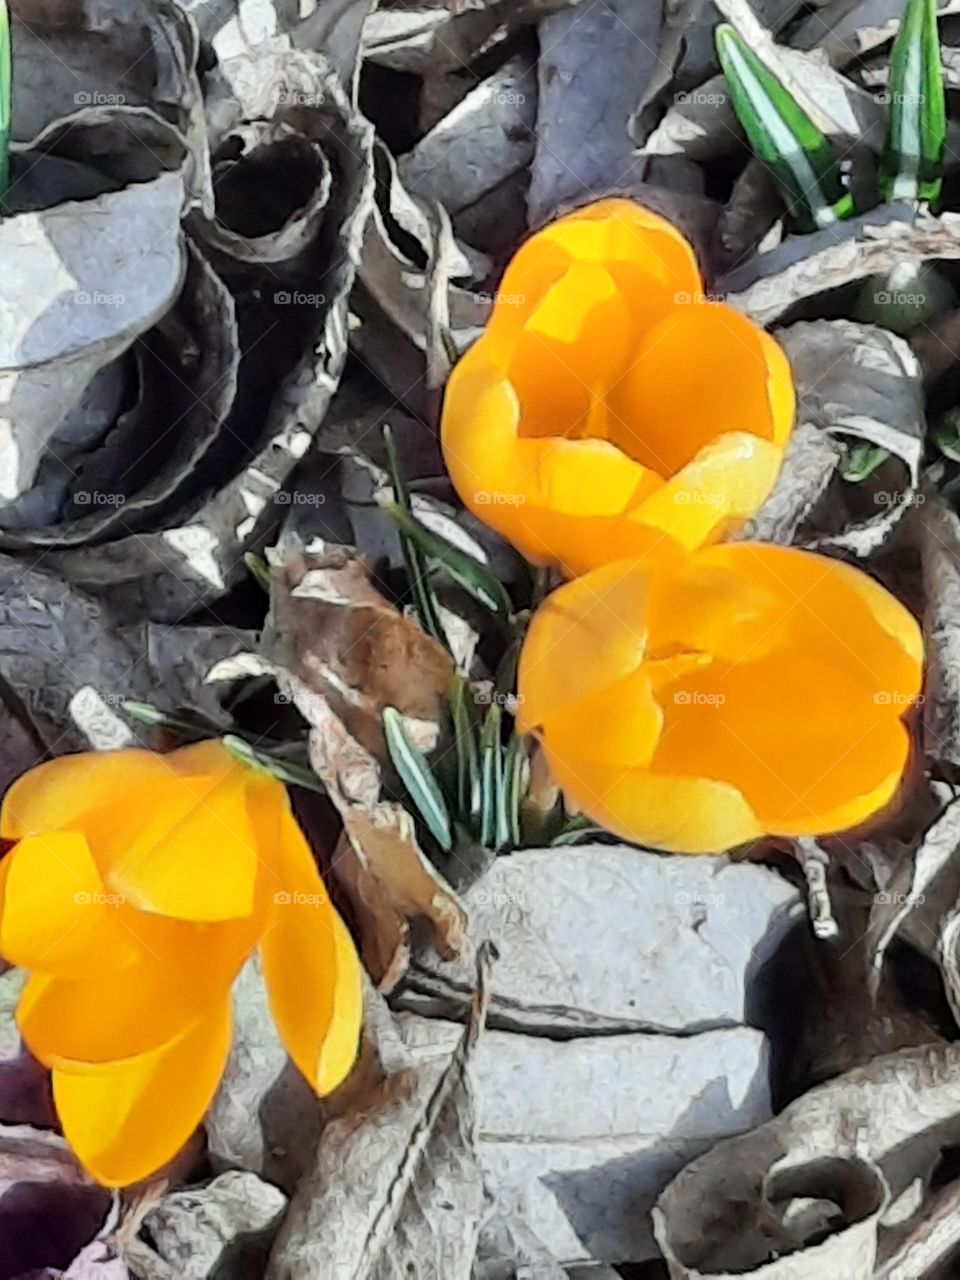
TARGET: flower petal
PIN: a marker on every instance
(703, 371)
(675, 813)
(124, 1120)
(56, 914)
(55, 795)
(106, 1016)
(311, 969)
(180, 846)
(727, 482)
(805, 742)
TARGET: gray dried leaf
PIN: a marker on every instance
(596, 62)
(230, 1222)
(939, 532)
(770, 284)
(578, 1136)
(802, 1196)
(487, 137)
(65, 317)
(854, 382)
(562, 963)
(396, 1190)
(337, 31)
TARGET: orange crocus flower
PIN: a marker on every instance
(753, 690)
(138, 886)
(608, 410)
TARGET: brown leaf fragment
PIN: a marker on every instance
(342, 653)
(396, 1190)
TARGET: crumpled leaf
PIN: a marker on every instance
(342, 654)
(227, 1222)
(595, 62)
(854, 383)
(802, 1196)
(939, 532)
(396, 1190)
(769, 285)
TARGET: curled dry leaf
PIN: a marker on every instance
(803, 1195)
(396, 1190)
(769, 285)
(342, 653)
(939, 531)
(854, 383)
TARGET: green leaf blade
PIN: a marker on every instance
(417, 776)
(463, 568)
(912, 164)
(782, 135)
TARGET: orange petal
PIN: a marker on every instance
(674, 813)
(588, 634)
(182, 846)
(55, 795)
(727, 482)
(805, 742)
(311, 969)
(124, 1120)
(703, 371)
(57, 915)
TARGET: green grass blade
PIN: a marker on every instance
(782, 135)
(491, 777)
(514, 766)
(415, 563)
(283, 770)
(417, 776)
(464, 569)
(256, 567)
(912, 167)
(468, 756)
(6, 99)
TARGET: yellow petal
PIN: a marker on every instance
(53, 796)
(311, 969)
(703, 371)
(101, 1017)
(588, 634)
(674, 813)
(727, 482)
(57, 915)
(124, 1120)
(181, 847)
(804, 741)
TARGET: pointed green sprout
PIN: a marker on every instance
(468, 755)
(783, 136)
(417, 776)
(912, 164)
(6, 99)
(491, 777)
